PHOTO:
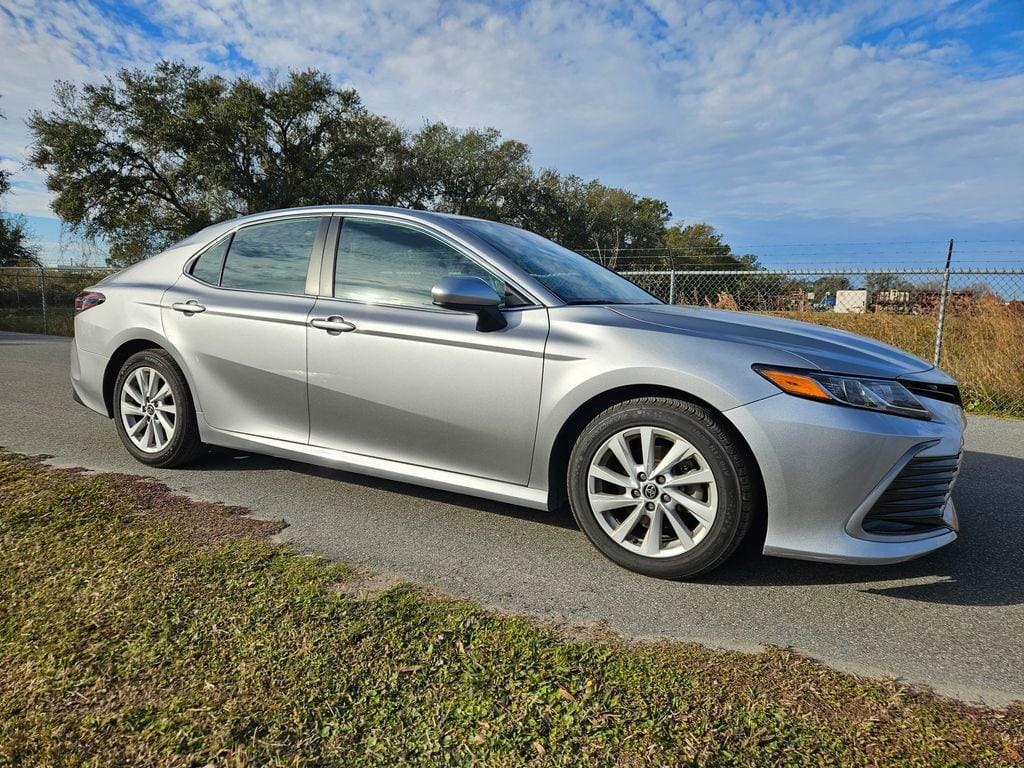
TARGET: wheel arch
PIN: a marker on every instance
(573, 426)
(133, 343)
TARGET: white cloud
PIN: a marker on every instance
(43, 43)
(865, 110)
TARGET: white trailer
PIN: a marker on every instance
(851, 302)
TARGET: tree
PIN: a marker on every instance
(608, 224)
(555, 207)
(470, 172)
(886, 282)
(701, 246)
(15, 242)
(829, 284)
(621, 221)
(146, 158)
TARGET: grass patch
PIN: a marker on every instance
(138, 628)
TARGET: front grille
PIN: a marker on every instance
(914, 501)
(948, 393)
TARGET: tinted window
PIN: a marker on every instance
(573, 278)
(271, 257)
(391, 264)
(207, 266)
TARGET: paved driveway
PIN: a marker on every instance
(954, 620)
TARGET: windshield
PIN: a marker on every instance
(571, 277)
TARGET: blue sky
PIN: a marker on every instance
(782, 123)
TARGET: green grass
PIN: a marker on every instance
(138, 628)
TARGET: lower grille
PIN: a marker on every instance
(914, 501)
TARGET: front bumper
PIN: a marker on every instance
(825, 466)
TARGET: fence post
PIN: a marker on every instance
(942, 305)
(672, 286)
(42, 290)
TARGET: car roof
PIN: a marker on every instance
(213, 231)
(327, 209)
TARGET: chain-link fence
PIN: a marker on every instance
(36, 299)
(971, 322)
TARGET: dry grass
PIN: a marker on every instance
(983, 349)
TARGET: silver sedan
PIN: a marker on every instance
(475, 357)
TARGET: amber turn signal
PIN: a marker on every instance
(795, 383)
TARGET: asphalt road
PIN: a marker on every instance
(953, 620)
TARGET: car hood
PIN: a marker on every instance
(824, 348)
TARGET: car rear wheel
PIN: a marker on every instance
(661, 487)
(153, 411)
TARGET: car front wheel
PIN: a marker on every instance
(661, 487)
(153, 412)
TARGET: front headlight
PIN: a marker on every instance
(872, 394)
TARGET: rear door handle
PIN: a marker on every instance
(189, 307)
(334, 324)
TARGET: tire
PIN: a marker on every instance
(715, 515)
(183, 446)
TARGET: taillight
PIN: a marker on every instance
(87, 300)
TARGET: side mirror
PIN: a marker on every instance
(470, 294)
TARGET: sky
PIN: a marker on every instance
(805, 131)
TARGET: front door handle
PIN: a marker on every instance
(189, 307)
(334, 324)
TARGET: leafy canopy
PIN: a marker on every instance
(147, 157)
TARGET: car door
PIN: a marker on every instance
(238, 316)
(395, 377)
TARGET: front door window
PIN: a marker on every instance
(382, 263)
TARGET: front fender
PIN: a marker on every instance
(592, 351)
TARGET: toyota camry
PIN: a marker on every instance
(480, 358)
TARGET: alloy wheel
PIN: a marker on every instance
(652, 491)
(148, 411)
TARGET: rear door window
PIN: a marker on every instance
(272, 257)
(207, 267)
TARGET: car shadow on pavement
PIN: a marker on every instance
(223, 459)
(984, 567)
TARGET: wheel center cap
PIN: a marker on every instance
(650, 491)
(150, 409)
